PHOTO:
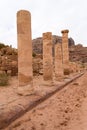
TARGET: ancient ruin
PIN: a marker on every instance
(65, 48)
(25, 75)
(58, 62)
(47, 56)
(55, 103)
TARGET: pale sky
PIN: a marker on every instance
(47, 16)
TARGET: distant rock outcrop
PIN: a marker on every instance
(9, 55)
(38, 43)
(78, 53)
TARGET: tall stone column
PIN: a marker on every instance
(47, 56)
(25, 75)
(58, 62)
(65, 48)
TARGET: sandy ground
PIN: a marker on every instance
(9, 94)
(66, 110)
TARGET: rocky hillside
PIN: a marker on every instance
(9, 55)
(78, 53)
(8, 59)
(38, 43)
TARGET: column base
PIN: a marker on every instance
(25, 90)
(59, 78)
(48, 83)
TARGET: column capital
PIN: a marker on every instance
(65, 31)
(47, 35)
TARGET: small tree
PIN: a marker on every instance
(4, 79)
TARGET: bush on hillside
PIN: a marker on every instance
(4, 80)
(2, 45)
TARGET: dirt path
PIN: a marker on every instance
(66, 110)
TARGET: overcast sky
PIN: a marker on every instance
(46, 15)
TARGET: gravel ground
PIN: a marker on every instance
(66, 110)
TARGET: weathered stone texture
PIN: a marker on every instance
(65, 48)
(58, 62)
(24, 48)
(47, 56)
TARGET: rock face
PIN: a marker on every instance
(37, 66)
(78, 53)
(38, 43)
(9, 56)
(8, 60)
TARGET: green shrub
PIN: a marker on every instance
(4, 79)
(2, 45)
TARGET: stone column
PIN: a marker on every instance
(47, 56)
(65, 48)
(25, 75)
(58, 62)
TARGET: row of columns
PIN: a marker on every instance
(61, 56)
(25, 74)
